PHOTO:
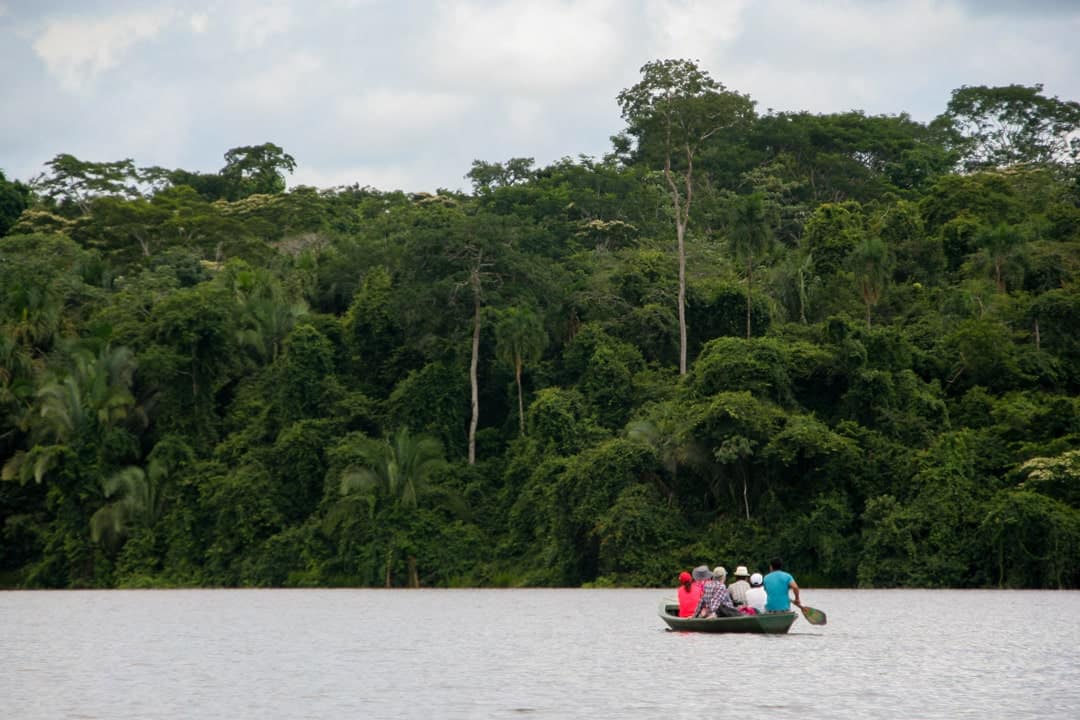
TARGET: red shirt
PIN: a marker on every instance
(688, 599)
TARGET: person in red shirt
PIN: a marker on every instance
(689, 594)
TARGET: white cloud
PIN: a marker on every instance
(383, 117)
(882, 57)
(879, 31)
(199, 22)
(351, 4)
(163, 129)
(526, 116)
(526, 47)
(406, 94)
(253, 23)
(694, 29)
(78, 50)
(281, 86)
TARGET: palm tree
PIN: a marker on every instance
(138, 494)
(264, 324)
(16, 381)
(998, 244)
(750, 237)
(94, 396)
(399, 469)
(31, 313)
(519, 338)
(667, 432)
(68, 427)
(871, 271)
(265, 315)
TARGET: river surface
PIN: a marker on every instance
(187, 654)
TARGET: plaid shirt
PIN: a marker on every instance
(715, 595)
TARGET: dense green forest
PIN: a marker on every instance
(849, 340)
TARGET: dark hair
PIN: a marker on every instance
(776, 563)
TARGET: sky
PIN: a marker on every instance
(406, 94)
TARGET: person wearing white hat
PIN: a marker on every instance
(756, 596)
(740, 586)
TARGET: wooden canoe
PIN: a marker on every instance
(765, 623)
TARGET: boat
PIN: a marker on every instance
(764, 623)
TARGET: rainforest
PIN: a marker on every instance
(849, 340)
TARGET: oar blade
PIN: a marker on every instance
(814, 616)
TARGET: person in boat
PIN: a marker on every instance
(715, 598)
(689, 594)
(755, 596)
(777, 584)
(739, 588)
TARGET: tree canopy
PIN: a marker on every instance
(849, 340)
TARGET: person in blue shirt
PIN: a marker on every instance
(777, 583)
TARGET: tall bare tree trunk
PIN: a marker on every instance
(680, 233)
(749, 288)
(475, 419)
(745, 490)
(682, 219)
(521, 401)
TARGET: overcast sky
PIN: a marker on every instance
(405, 94)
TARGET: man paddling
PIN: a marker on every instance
(777, 583)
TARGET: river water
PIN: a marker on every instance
(172, 654)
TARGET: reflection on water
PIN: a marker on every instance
(529, 653)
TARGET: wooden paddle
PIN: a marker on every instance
(813, 615)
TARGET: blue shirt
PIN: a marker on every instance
(776, 590)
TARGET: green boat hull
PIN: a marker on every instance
(773, 623)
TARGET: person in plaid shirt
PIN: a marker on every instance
(715, 598)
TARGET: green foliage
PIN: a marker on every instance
(72, 183)
(520, 338)
(756, 366)
(750, 238)
(436, 398)
(638, 537)
(256, 169)
(981, 352)
(1057, 477)
(371, 333)
(1034, 539)
(1006, 125)
(559, 419)
(307, 359)
(873, 266)
(190, 334)
(399, 469)
(850, 355)
(986, 197)
(677, 106)
(14, 198)
(832, 233)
